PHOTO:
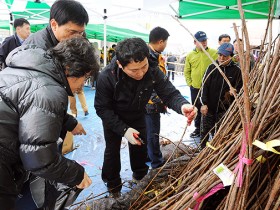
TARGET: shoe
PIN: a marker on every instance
(195, 134)
(93, 88)
(135, 181)
(86, 113)
(114, 195)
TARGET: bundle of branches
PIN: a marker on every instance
(253, 119)
(243, 144)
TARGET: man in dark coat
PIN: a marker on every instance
(123, 90)
(215, 95)
(22, 28)
(157, 42)
(34, 91)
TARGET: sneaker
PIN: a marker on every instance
(86, 113)
(93, 88)
(195, 134)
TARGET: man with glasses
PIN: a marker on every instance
(68, 19)
(195, 66)
(216, 96)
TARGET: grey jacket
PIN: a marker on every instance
(33, 105)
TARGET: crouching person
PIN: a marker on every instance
(33, 103)
(124, 88)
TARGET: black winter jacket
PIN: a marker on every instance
(215, 90)
(155, 104)
(119, 98)
(7, 46)
(45, 39)
(33, 105)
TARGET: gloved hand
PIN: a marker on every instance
(129, 136)
(189, 111)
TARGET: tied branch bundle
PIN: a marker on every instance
(255, 115)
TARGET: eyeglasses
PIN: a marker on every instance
(74, 32)
(87, 76)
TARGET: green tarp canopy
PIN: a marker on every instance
(226, 9)
(32, 10)
(114, 34)
(41, 12)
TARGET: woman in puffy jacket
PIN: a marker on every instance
(33, 103)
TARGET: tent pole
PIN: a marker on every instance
(105, 39)
(11, 23)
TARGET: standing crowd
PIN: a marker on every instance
(42, 72)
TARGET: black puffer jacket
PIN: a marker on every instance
(45, 39)
(120, 98)
(36, 94)
(215, 90)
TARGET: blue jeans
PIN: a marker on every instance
(153, 129)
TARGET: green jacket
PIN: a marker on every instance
(196, 64)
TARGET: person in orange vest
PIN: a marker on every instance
(157, 42)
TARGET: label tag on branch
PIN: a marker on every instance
(268, 146)
(224, 174)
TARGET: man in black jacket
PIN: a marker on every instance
(123, 90)
(216, 96)
(34, 91)
(22, 28)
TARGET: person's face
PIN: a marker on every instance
(136, 70)
(236, 47)
(203, 43)
(77, 83)
(223, 60)
(23, 31)
(161, 46)
(67, 30)
(224, 40)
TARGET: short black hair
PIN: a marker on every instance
(20, 22)
(114, 45)
(236, 40)
(64, 11)
(224, 36)
(158, 34)
(76, 55)
(132, 49)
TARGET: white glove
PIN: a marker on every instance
(189, 111)
(129, 136)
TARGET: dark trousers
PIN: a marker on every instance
(194, 93)
(153, 129)
(112, 163)
(169, 72)
(209, 124)
(8, 189)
